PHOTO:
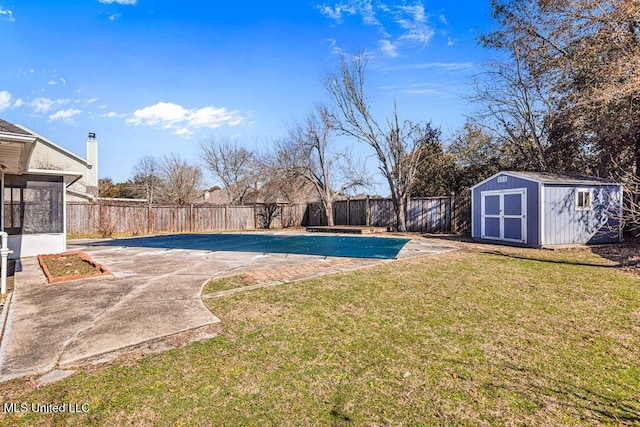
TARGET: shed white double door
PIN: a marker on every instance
(504, 215)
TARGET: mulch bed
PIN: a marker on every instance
(70, 266)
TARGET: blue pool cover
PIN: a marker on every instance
(338, 246)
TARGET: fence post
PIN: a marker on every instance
(450, 222)
(348, 210)
(454, 214)
(255, 217)
(149, 218)
(191, 218)
(367, 212)
(226, 217)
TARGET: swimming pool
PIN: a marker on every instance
(334, 245)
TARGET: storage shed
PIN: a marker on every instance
(542, 209)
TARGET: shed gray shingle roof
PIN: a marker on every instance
(554, 178)
(11, 128)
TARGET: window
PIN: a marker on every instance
(33, 204)
(583, 199)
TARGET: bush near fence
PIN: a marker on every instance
(425, 215)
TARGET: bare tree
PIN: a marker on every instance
(398, 146)
(232, 164)
(515, 106)
(309, 153)
(146, 177)
(181, 180)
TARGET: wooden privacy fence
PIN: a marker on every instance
(425, 215)
(109, 217)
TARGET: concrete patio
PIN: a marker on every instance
(153, 294)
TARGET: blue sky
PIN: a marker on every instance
(151, 77)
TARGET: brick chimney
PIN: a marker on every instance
(91, 177)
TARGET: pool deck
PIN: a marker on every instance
(152, 302)
(350, 229)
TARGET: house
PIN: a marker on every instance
(543, 209)
(37, 178)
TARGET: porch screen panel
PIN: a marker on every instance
(33, 204)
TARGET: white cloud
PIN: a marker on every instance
(65, 115)
(388, 48)
(413, 21)
(119, 1)
(41, 105)
(162, 112)
(336, 12)
(368, 13)
(364, 8)
(420, 35)
(416, 11)
(111, 115)
(44, 105)
(114, 16)
(55, 79)
(183, 132)
(18, 103)
(182, 121)
(335, 49)
(398, 22)
(5, 100)
(449, 66)
(7, 15)
(91, 100)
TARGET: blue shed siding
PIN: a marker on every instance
(563, 224)
(532, 218)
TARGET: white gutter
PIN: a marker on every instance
(49, 172)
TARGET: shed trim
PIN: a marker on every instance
(621, 224)
(541, 219)
(523, 214)
(531, 178)
(472, 211)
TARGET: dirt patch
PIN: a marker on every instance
(626, 254)
(70, 266)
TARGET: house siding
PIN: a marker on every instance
(45, 156)
(532, 212)
(565, 225)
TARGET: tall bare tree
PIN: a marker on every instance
(146, 178)
(515, 106)
(232, 164)
(310, 153)
(182, 181)
(398, 146)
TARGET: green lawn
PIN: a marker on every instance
(479, 336)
